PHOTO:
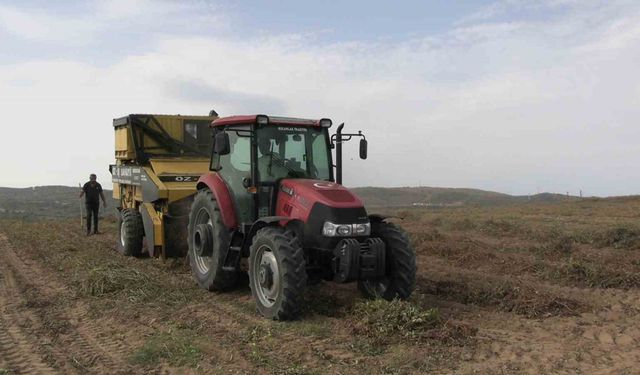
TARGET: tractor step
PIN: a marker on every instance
(232, 259)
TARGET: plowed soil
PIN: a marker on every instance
(523, 289)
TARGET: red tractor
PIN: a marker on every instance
(272, 196)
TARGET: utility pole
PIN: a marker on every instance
(80, 200)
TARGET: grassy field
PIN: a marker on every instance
(519, 288)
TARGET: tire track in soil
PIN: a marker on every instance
(88, 348)
(17, 349)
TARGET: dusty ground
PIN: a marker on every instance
(520, 289)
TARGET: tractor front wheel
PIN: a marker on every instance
(400, 278)
(277, 273)
(130, 232)
(208, 244)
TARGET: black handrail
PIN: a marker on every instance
(337, 140)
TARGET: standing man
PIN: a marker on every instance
(92, 190)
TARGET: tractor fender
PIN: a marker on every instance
(218, 187)
(375, 218)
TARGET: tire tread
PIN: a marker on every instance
(217, 279)
(132, 221)
(403, 258)
(294, 273)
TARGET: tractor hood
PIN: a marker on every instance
(307, 192)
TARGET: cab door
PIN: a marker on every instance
(235, 170)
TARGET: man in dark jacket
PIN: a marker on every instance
(92, 191)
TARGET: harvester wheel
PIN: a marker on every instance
(130, 232)
(209, 243)
(277, 273)
(400, 278)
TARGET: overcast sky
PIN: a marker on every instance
(512, 96)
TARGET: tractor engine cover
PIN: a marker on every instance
(359, 261)
(314, 202)
(297, 197)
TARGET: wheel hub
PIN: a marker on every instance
(202, 240)
(265, 276)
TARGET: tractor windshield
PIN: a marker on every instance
(293, 151)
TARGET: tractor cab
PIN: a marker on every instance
(272, 196)
(254, 154)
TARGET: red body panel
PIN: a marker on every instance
(234, 120)
(225, 202)
(249, 119)
(297, 196)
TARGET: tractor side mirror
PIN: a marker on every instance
(221, 144)
(363, 148)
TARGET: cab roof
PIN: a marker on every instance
(250, 119)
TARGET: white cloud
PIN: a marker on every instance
(83, 24)
(511, 106)
(38, 25)
(116, 9)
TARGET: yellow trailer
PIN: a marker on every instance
(159, 159)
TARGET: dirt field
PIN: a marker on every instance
(540, 288)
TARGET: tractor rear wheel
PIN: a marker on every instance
(277, 273)
(130, 232)
(400, 278)
(209, 242)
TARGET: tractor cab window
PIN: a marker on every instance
(320, 148)
(239, 157)
(292, 152)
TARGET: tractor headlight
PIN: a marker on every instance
(325, 123)
(344, 230)
(331, 230)
(362, 229)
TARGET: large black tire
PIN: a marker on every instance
(277, 273)
(209, 242)
(130, 232)
(400, 278)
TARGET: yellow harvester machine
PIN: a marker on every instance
(159, 159)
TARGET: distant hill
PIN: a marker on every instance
(62, 201)
(439, 197)
(43, 201)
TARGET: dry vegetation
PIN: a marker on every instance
(525, 288)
